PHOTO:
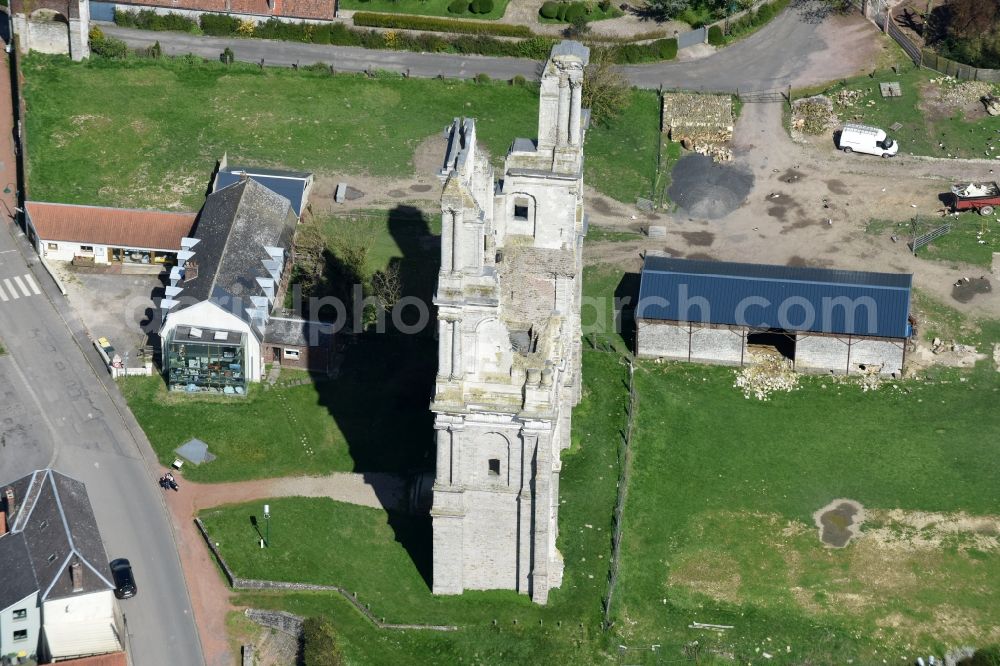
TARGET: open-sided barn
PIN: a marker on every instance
(819, 319)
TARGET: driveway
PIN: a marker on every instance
(802, 46)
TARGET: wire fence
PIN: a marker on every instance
(625, 466)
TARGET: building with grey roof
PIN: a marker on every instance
(232, 274)
(293, 185)
(56, 590)
(818, 319)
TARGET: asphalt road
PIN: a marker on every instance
(770, 58)
(59, 408)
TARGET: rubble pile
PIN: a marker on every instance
(869, 379)
(813, 115)
(849, 98)
(766, 374)
(701, 123)
(955, 93)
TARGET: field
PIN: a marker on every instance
(937, 117)
(718, 527)
(147, 134)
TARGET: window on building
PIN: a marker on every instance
(21, 635)
(292, 354)
(494, 467)
(86, 248)
(53, 246)
(521, 209)
(21, 614)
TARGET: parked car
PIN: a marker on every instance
(125, 587)
(982, 197)
(856, 138)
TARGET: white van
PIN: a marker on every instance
(865, 139)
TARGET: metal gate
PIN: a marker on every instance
(763, 96)
(699, 36)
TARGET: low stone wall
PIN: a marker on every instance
(254, 584)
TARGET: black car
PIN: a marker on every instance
(124, 580)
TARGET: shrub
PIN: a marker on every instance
(458, 6)
(549, 9)
(147, 19)
(481, 6)
(482, 77)
(715, 36)
(319, 643)
(109, 47)
(765, 13)
(575, 12)
(563, 8)
(518, 80)
(666, 49)
(604, 6)
(411, 22)
(226, 56)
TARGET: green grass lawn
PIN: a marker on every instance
(423, 7)
(146, 134)
(719, 526)
(621, 159)
(327, 542)
(336, 425)
(972, 240)
(926, 130)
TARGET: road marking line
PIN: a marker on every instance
(31, 283)
(20, 284)
(10, 288)
(3, 296)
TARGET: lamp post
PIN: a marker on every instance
(267, 525)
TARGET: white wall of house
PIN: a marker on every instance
(66, 250)
(81, 625)
(209, 315)
(11, 622)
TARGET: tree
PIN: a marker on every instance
(967, 31)
(668, 9)
(605, 91)
(387, 286)
(578, 27)
(319, 643)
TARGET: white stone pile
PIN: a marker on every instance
(766, 374)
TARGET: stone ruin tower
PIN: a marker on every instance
(508, 301)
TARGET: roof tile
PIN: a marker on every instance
(119, 227)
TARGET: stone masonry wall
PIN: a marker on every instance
(818, 353)
(662, 340)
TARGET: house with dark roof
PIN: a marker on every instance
(293, 185)
(818, 319)
(217, 329)
(139, 241)
(56, 592)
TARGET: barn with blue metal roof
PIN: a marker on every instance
(819, 319)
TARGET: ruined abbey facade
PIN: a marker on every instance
(508, 302)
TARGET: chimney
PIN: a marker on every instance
(76, 575)
(190, 270)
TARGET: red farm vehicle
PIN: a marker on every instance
(982, 197)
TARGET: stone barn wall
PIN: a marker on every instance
(680, 341)
(656, 339)
(821, 353)
(845, 355)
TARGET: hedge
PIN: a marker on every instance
(478, 42)
(434, 24)
(715, 36)
(458, 6)
(550, 9)
(147, 19)
(481, 6)
(753, 20)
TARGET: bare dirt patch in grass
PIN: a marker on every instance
(710, 573)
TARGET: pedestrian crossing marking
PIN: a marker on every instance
(18, 286)
(24, 289)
